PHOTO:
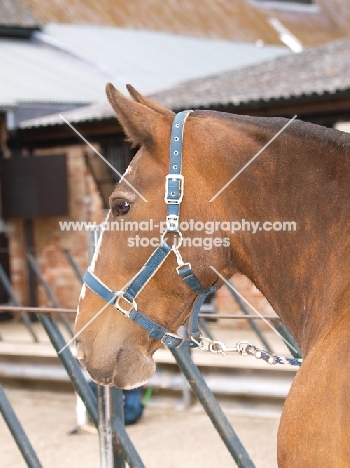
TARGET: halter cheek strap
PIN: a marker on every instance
(174, 192)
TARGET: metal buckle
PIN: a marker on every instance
(187, 264)
(125, 312)
(171, 335)
(173, 177)
(172, 223)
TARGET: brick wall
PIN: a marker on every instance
(50, 241)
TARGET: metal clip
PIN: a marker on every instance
(203, 342)
(218, 347)
(179, 259)
(213, 346)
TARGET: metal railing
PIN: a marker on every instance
(106, 412)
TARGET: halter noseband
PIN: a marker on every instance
(174, 192)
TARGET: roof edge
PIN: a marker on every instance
(16, 31)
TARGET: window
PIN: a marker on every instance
(119, 155)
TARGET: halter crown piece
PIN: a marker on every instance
(174, 192)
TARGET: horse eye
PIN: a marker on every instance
(120, 208)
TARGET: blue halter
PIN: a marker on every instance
(174, 192)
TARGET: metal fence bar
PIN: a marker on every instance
(254, 326)
(117, 412)
(104, 404)
(73, 264)
(69, 362)
(203, 326)
(17, 431)
(40, 310)
(35, 268)
(212, 408)
(24, 316)
(289, 339)
(61, 310)
(121, 441)
(71, 365)
(104, 396)
(115, 444)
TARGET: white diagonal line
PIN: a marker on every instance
(103, 159)
(100, 311)
(88, 323)
(253, 308)
(251, 160)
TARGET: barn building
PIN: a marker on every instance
(60, 178)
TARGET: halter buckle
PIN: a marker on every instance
(171, 335)
(174, 189)
(183, 265)
(172, 223)
(123, 311)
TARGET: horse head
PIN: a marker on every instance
(114, 349)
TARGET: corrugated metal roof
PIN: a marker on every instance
(321, 70)
(34, 72)
(98, 111)
(81, 59)
(324, 69)
(156, 60)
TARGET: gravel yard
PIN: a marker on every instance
(165, 437)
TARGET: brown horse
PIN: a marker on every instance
(302, 176)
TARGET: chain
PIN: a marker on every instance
(243, 348)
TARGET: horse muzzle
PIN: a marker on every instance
(126, 369)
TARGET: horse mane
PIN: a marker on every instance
(299, 129)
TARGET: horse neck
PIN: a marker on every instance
(303, 274)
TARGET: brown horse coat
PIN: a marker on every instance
(303, 176)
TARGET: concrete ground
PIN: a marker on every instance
(164, 438)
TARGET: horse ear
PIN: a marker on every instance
(139, 122)
(146, 102)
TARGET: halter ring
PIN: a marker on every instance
(123, 311)
(176, 244)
